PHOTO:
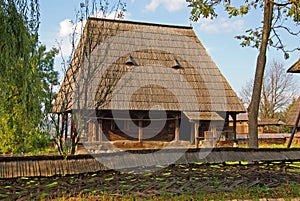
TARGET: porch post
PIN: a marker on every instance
(66, 125)
(233, 115)
(112, 125)
(73, 127)
(89, 136)
(61, 132)
(99, 138)
(58, 127)
(140, 134)
(192, 139)
(93, 130)
(177, 129)
(196, 128)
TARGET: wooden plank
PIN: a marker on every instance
(85, 163)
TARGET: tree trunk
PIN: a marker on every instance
(259, 74)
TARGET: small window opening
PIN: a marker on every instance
(177, 65)
(130, 61)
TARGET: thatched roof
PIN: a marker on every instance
(122, 65)
(295, 68)
(269, 122)
(293, 113)
(240, 117)
(204, 116)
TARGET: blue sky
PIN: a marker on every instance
(237, 64)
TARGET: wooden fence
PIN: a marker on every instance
(50, 165)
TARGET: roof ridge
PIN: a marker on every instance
(140, 23)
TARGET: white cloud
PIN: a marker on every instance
(222, 25)
(66, 27)
(171, 6)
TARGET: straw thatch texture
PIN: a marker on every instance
(295, 68)
(267, 122)
(121, 65)
(204, 116)
(293, 113)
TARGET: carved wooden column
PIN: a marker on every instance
(140, 134)
(196, 128)
(93, 130)
(66, 119)
(177, 129)
(100, 132)
(233, 115)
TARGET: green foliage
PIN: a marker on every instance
(285, 10)
(26, 79)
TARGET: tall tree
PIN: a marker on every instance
(276, 15)
(278, 91)
(25, 77)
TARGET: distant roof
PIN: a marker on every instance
(128, 65)
(295, 68)
(204, 116)
(274, 121)
(240, 117)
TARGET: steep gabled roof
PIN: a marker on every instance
(295, 68)
(293, 113)
(125, 65)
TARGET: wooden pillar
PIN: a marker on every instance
(112, 125)
(177, 129)
(61, 133)
(93, 131)
(196, 128)
(192, 136)
(89, 137)
(140, 134)
(66, 125)
(100, 132)
(58, 127)
(73, 129)
(233, 115)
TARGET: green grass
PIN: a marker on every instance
(288, 191)
(271, 146)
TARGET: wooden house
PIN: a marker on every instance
(295, 68)
(241, 123)
(131, 80)
(292, 116)
(269, 125)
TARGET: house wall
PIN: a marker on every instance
(130, 132)
(241, 127)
